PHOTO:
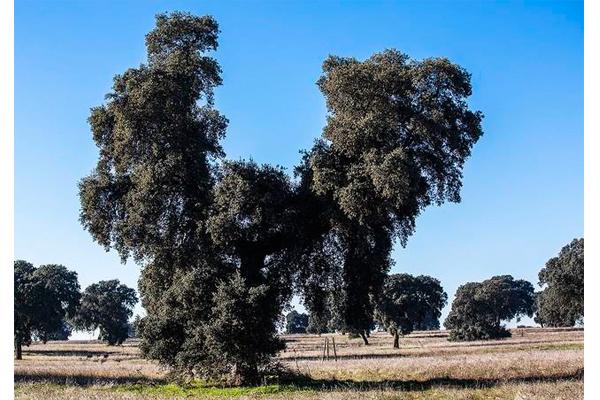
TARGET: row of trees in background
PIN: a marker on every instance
(408, 303)
(479, 308)
(48, 305)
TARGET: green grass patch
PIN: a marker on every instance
(193, 390)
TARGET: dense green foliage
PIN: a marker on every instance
(44, 298)
(406, 302)
(296, 322)
(561, 302)
(397, 136)
(242, 331)
(107, 306)
(479, 308)
(431, 322)
(150, 194)
(224, 244)
(62, 333)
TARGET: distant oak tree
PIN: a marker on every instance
(406, 302)
(479, 308)
(44, 298)
(561, 302)
(106, 306)
(62, 333)
(296, 322)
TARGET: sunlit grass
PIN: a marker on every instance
(533, 364)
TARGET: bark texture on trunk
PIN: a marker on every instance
(396, 340)
(364, 338)
(18, 350)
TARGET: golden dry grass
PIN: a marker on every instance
(533, 364)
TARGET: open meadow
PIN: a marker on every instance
(533, 364)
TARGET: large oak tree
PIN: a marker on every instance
(397, 136)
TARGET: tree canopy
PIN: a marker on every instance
(296, 322)
(43, 298)
(406, 302)
(479, 308)
(398, 133)
(107, 306)
(62, 333)
(561, 302)
(397, 136)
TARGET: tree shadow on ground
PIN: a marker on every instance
(353, 356)
(73, 353)
(299, 382)
(303, 382)
(85, 380)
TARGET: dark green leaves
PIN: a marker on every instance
(222, 243)
(151, 188)
(406, 302)
(561, 302)
(480, 307)
(182, 32)
(397, 136)
(44, 298)
(107, 306)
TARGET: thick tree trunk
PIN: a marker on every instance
(18, 349)
(396, 340)
(364, 338)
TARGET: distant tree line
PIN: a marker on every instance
(48, 305)
(479, 309)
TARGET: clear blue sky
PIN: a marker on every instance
(523, 185)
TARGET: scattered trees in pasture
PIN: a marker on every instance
(224, 244)
(560, 303)
(407, 301)
(43, 298)
(479, 308)
(106, 306)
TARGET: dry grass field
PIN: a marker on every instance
(532, 364)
